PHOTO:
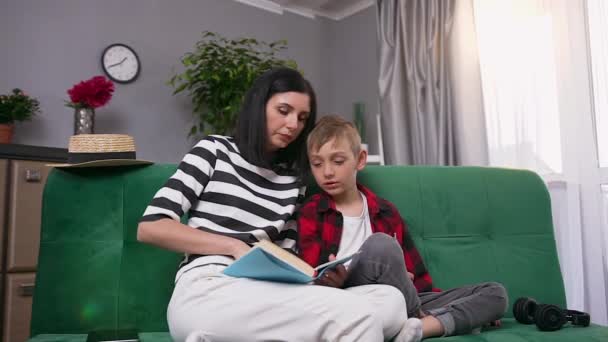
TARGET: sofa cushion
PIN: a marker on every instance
(510, 331)
(143, 337)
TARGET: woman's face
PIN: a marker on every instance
(286, 116)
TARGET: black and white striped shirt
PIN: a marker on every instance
(223, 193)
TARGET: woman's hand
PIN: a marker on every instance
(175, 236)
(239, 249)
(333, 278)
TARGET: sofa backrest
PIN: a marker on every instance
(470, 224)
(92, 271)
(474, 224)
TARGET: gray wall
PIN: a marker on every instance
(47, 46)
(351, 70)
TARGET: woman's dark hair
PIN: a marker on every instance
(251, 129)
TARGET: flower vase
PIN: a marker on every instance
(84, 121)
(6, 133)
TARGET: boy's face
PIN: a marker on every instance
(335, 167)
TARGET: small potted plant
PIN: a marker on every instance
(14, 107)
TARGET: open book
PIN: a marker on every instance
(267, 261)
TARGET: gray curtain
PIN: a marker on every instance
(415, 96)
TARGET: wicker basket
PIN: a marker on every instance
(101, 143)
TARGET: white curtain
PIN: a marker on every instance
(598, 38)
(537, 106)
(518, 72)
(465, 78)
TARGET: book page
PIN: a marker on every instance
(331, 264)
(284, 255)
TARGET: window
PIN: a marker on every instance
(597, 14)
(518, 76)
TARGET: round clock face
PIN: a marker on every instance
(120, 63)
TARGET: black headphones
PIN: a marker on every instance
(547, 317)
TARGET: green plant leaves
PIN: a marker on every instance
(218, 73)
(17, 106)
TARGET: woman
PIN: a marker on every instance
(235, 192)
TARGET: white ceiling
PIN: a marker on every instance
(334, 9)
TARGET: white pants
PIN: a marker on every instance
(211, 307)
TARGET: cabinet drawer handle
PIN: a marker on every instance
(26, 290)
(33, 175)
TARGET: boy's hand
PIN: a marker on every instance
(333, 278)
(411, 275)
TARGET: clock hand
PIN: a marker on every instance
(119, 63)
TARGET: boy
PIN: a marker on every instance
(347, 217)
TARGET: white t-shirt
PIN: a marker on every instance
(355, 231)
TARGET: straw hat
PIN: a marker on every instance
(97, 150)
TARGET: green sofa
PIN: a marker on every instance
(470, 224)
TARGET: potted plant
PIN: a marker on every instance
(218, 73)
(14, 107)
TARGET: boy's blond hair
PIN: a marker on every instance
(333, 127)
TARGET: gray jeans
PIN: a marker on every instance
(460, 310)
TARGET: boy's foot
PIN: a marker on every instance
(411, 331)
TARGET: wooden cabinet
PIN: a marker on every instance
(25, 205)
(18, 306)
(3, 206)
(23, 174)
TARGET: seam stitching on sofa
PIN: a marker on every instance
(122, 248)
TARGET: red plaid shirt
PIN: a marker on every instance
(320, 230)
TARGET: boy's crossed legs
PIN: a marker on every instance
(453, 312)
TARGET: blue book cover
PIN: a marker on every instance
(267, 261)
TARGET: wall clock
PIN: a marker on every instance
(120, 63)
